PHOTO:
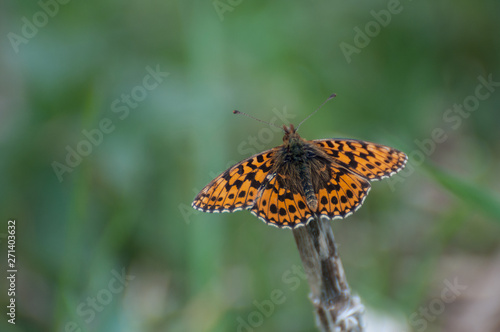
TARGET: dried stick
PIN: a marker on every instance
(337, 310)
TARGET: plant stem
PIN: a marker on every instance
(337, 310)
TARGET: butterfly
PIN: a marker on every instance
(300, 180)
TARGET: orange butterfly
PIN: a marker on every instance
(293, 183)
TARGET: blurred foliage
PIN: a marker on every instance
(125, 208)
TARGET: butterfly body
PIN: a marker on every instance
(300, 180)
(302, 166)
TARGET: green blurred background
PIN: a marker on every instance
(112, 243)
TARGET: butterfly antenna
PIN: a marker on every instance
(251, 117)
(327, 99)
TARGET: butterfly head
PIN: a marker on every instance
(290, 134)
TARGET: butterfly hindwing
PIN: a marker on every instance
(237, 187)
(343, 194)
(281, 207)
(372, 161)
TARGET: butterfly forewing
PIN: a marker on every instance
(237, 187)
(372, 161)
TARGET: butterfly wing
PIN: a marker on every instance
(338, 196)
(237, 187)
(370, 160)
(341, 184)
(342, 194)
(259, 184)
(278, 206)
